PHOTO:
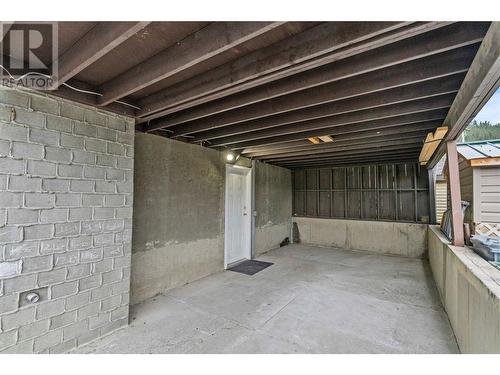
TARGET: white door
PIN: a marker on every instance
(238, 220)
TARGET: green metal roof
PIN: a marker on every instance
(479, 149)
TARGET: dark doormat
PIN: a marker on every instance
(250, 267)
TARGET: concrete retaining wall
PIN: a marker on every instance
(66, 183)
(469, 288)
(178, 234)
(273, 203)
(404, 239)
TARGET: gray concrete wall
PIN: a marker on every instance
(65, 222)
(469, 289)
(404, 239)
(273, 203)
(178, 226)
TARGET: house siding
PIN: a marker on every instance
(441, 203)
(488, 195)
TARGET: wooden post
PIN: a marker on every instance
(457, 225)
(432, 195)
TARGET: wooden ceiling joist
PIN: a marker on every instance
(100, 40)
(480, 83)
(353, 155)
(359, 138)
(264, 88)
(394, 126)
(204, 44)
(374, 101)
(396, 53)
(354, 144)
(328, 125)
(405, 144)
(351, 141)
(400, 75)
(355, 163)
(355, 159)
(320, 45)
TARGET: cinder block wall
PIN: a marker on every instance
(66, 183)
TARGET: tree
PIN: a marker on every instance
(481, 131)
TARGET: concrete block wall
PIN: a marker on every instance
(66, 183)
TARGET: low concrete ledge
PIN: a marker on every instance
(403, 239)
(469, 288)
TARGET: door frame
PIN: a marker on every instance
(248, 173)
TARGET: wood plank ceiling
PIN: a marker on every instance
(263, 88)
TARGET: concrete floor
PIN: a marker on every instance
(312, 300)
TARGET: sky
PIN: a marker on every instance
(491, 110)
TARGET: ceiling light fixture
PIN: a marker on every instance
(231, 156)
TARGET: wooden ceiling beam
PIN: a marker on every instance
(355, 163)
(348, 139)
(412, 146)
(391, 154)
(317, 46)
(346, 145)
(427, 89)
(202, 45)
(480, 83)
(446, 39)
(394, 126)
(381, 161)
(299, 145)
(355, 159)
(278, 147)
(393, 134)
(100, 40)
(351, 140)
(402, 144)
(414, 110)
(400, 75)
